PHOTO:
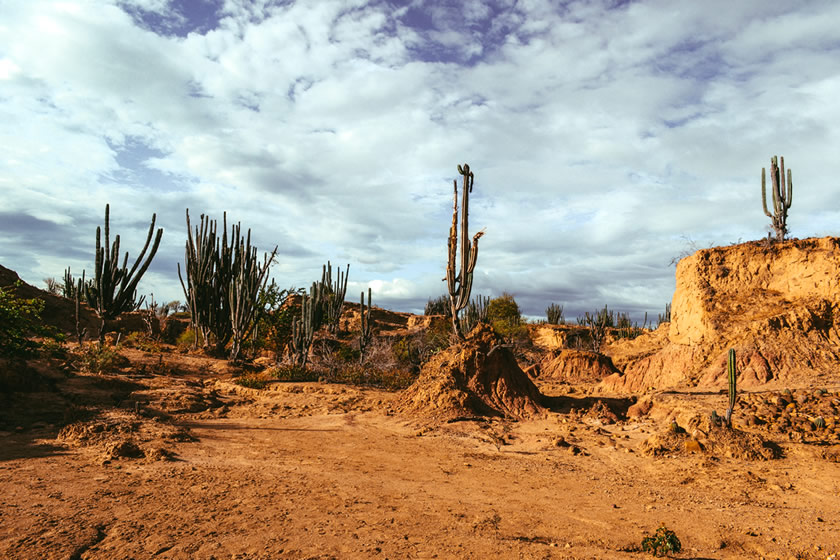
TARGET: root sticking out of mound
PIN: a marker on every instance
(479, 377)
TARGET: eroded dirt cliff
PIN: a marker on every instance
(776, 304)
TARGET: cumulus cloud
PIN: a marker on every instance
(603, 135)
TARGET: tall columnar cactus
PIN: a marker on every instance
(333, 295)
(732, 388)
(78, 290)
(367, 325)
(781, 198)
(248, 278)
(304, 328)
(459, 283)
(113, 289)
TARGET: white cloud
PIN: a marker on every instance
(599, 136)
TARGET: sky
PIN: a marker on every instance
(607, 138)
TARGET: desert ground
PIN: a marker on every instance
(318, 470)
(542, 452)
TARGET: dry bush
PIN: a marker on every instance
(380, 366)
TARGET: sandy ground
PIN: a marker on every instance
(309, 470)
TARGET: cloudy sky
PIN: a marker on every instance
(606, 137)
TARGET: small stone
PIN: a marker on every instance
(693, 446)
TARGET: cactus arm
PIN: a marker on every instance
(764, 193)
(452, 243)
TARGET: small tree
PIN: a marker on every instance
(20, 319)
(274, 321)
(504, 315)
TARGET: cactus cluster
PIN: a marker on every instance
(665, 317)
(475, 313)
(781, 196)
(438, 306)
(598, 324)
(554, 314)
(304, 327)
(459, 283)
(333, 295)
(223, 283)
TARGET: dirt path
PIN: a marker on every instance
(283, 478)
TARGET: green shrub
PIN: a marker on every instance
(186, 340)
(251, 382)
(504, 314)
(142, 341)
(93, 358)
(274, 322)
(52, 348)
(662, 542)
(436, 338)
(348, 354)
(403, 351)
(20, 319)
(292, 373)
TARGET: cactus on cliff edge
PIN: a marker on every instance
(781, 198)
(554, 314)
(460, 284)
(113, 288)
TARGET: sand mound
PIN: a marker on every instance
(575, 366)
(119, 434)
(776, 304)
(477, 377)
(715, 441)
